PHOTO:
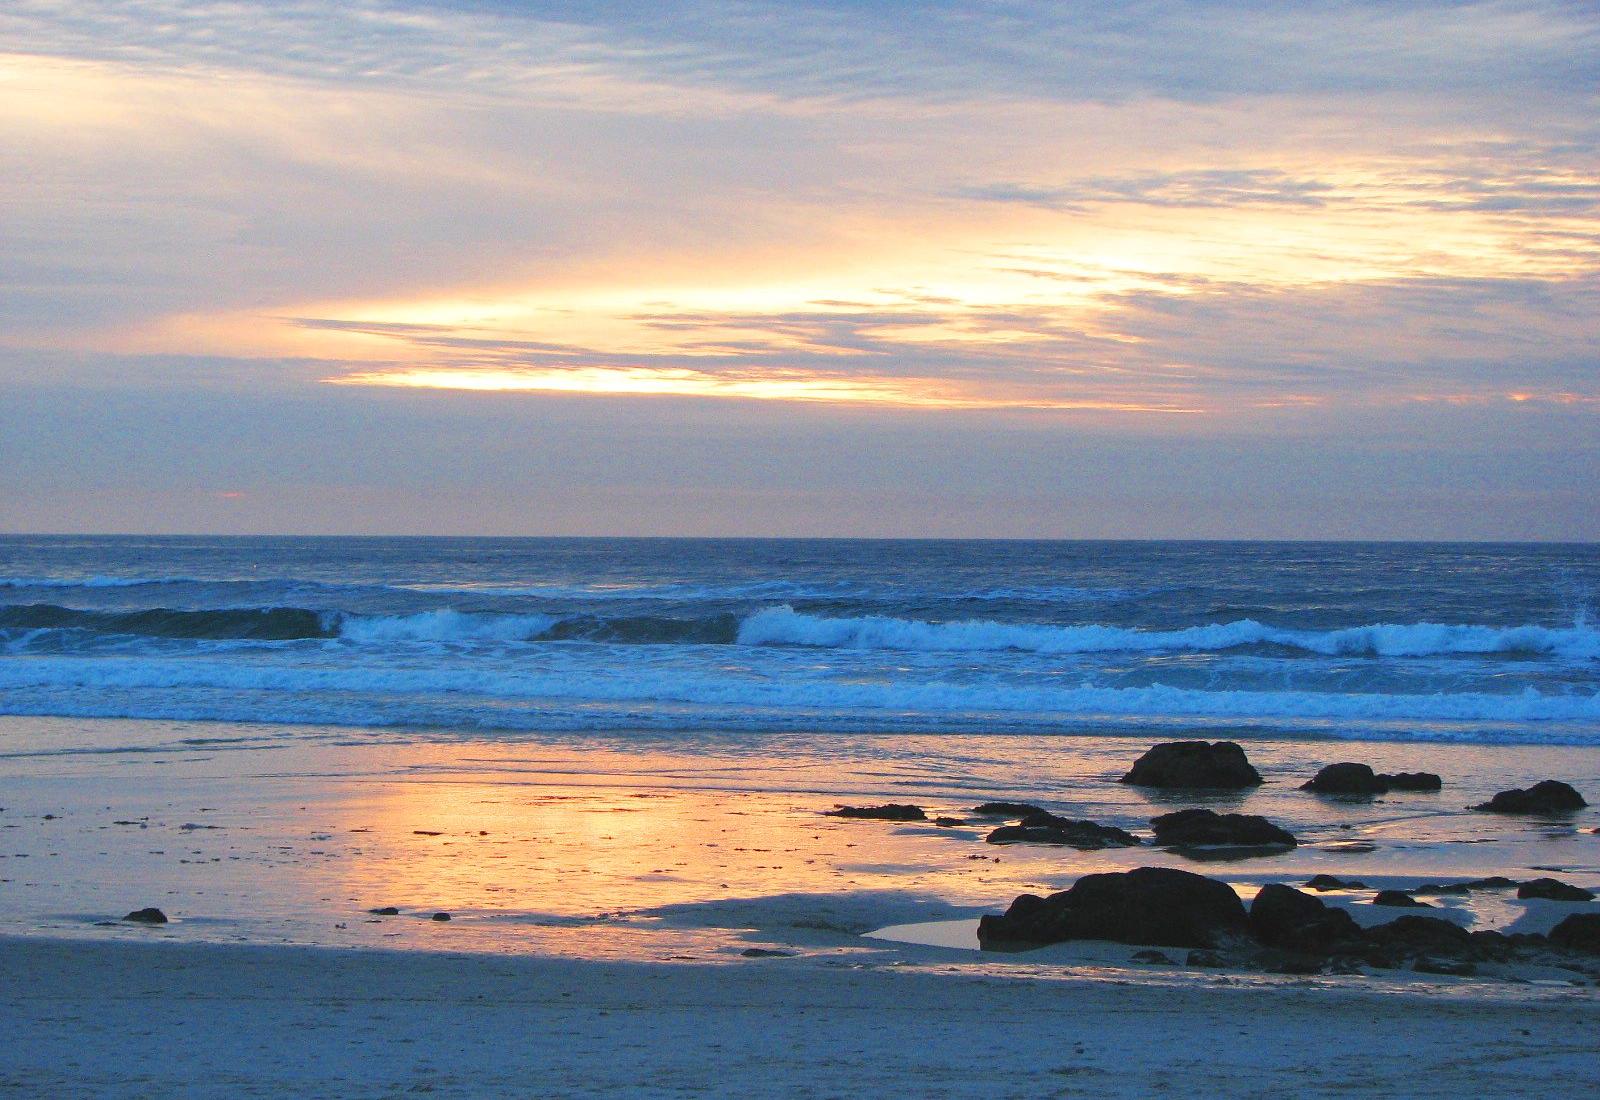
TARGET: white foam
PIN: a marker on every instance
(443, 625)
(786, 626)
(412, 690)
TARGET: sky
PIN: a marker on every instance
(981, 269)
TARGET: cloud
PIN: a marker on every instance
(1013, 212)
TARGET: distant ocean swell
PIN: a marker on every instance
(784, 626)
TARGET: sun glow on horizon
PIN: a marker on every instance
(676, 382)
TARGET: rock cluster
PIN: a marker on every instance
(891, 811)
(1195, 828)
(1158, 906)
(1041, 827)
(1360, 779)
(1285, 930)
(1005, 809)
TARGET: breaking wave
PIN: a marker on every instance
(786, 626)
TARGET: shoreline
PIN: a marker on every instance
(145, 1019)
(669, 921)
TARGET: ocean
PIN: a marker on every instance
(500, 638)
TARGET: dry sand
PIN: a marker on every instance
(171, 1020)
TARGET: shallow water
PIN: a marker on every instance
(650, 846)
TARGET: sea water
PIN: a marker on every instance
(502, 638)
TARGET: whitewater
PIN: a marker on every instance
(1446, 642)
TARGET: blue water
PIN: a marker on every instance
(1485, 643)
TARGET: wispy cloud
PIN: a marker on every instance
(1087, 210)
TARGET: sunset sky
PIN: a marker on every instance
(850, 268)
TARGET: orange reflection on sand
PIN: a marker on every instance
(599, 842)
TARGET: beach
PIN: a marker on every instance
(486, 817)
(136, 1020)
(673, 921)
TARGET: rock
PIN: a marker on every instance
(1194, 764)
(1489, 944)
(1553, 889)
(1493, 882)
(1548, 797)
(1412, 781)
(1427, 964)
(1289, 962)
(1399, 898)
(1210, 960)
(1329, 882)
(1422, 934)
(766, 953)
(892, 811)
(949, 822)
(1345, 779)
(440, 916)
(385, 911)
(1282, 916)
(1201, 827)
(150, 915)
(1360, 779)
(1040, 827)
(1579, 932)
(1152, 958)
(1158, 906)
(1005, 809)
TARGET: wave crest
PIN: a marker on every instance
(786, 626)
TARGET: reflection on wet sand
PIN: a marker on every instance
(647, 850)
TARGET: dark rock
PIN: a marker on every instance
(1345, 779)
(949, 822)
(1399, 898)
(149, 915)
(1422, 934)
(440, 916)
(1159, 906)
(1553, 889)
(1360, 779)
(1579, 932)
(1194, 764)
(1282, 916)
(385, 911)
(1005, 809)
(1290, 962)
(891, 811)
(1549, 797)
(1192, 827)
(1329, 882)
(765, 953)
(1040, 827)
(1493, 882)
(1412, 781)
(1210, 960)
(1153, 958)
(1488, 943)
(1427, 964)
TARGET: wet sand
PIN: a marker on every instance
(638, 876)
